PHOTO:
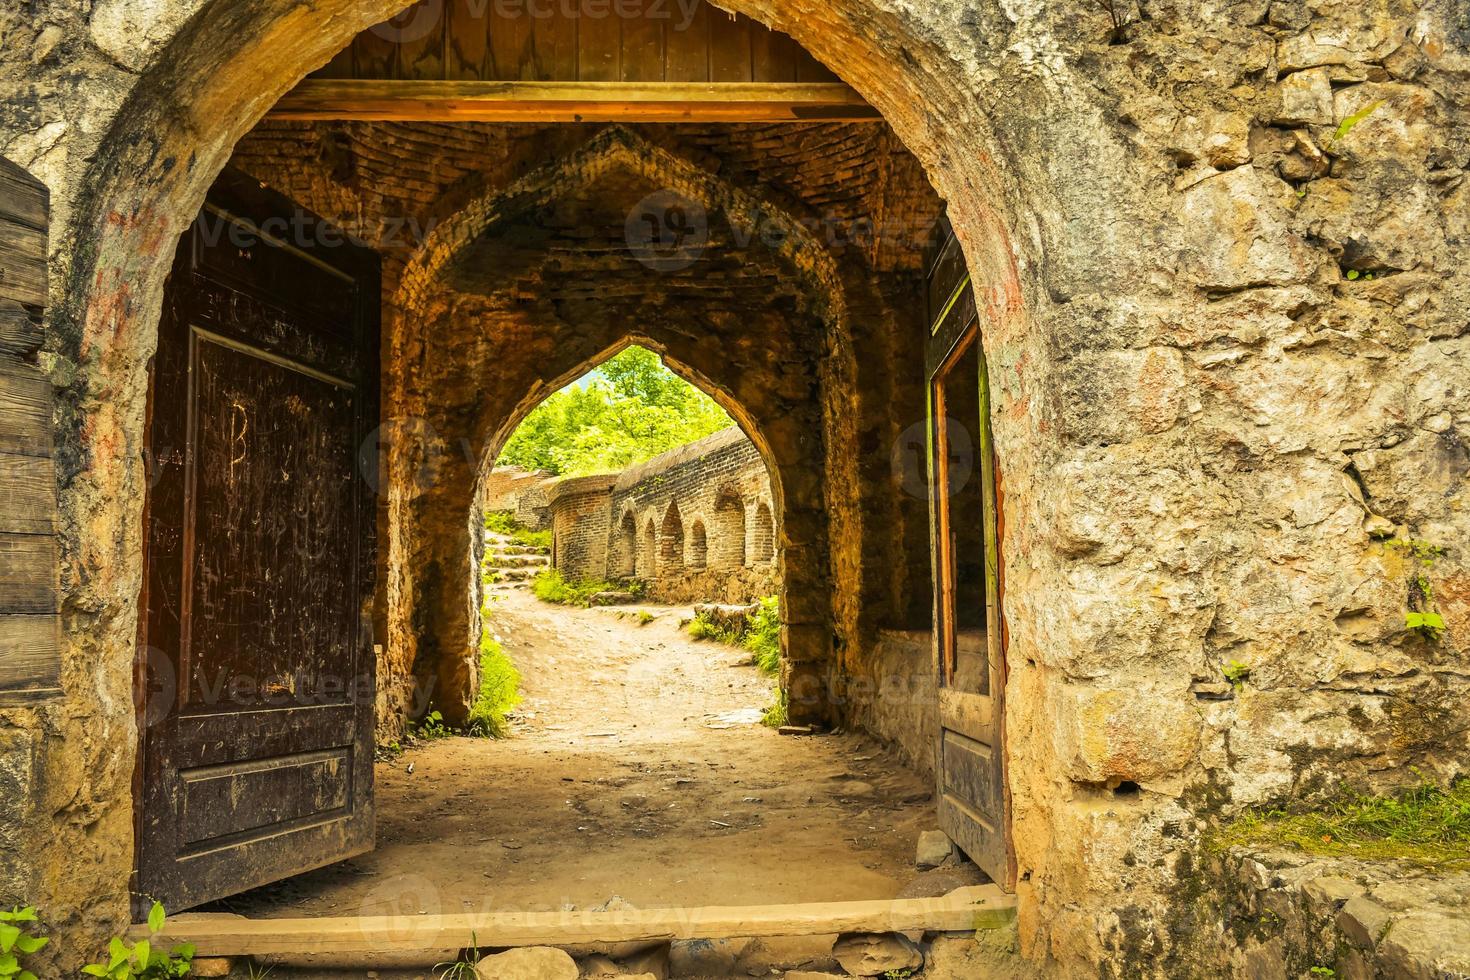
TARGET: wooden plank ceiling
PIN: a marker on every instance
(573, 60)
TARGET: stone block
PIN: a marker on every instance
(1238, 232)
(934, 849)
(530, 963)
(874, 954)
(1108, 734)
(1306, 99)
(1363, 921)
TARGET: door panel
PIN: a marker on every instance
(257, 674)
(969, 637)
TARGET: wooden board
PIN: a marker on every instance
(30, 660)
(20, 332)
(966, 909)
(28, 493)
(25, 409)
(631, 40)
(480, 101)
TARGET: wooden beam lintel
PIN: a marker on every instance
(317, 99)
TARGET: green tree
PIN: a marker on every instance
(630, 409)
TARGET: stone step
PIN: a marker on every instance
(517, 561)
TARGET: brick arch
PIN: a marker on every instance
(729, 524)
(672, 545)
(698, 543)
(466, 216)
(627, 557)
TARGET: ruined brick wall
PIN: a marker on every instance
(580, 518)
(710, 506)
(524, 494)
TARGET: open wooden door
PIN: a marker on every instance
(256, 667)
(974, 809)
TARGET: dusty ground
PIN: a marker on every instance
(636, 767)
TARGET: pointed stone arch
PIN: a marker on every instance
(671, 549)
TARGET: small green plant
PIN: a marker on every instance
(18, 940)
(143, 960)
(1346, 126)
(645, 617)
(701, 627)
(1422, 616)
(467, 967)
(763, 635)
(779, 713)
(903, 974)
(432, 728)
(500, 689)
(1323, 971)
(552, 586)
(1236, 673)
(259, 972)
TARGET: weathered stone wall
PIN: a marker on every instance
(1276, 913)
(1205, 407)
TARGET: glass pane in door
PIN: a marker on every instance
(960, 505)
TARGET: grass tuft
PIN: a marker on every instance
(552, 586)
(504, 522)
(1428, 826)
(500, 689)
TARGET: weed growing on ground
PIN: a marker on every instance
(504, 522)
(1428, 826)
(432, 728)
(141, 960)
(761, 636)
(500, 689)
(467, 967)
(779, 713)
(552, 586)
(645, 617)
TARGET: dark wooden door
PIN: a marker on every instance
(974, 808)
(256, 662)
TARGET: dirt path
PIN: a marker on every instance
(636, 767)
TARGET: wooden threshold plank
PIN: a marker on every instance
(317, 99)
(965, 909)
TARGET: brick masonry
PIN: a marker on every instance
(696, 524)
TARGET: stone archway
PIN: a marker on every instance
(1124, 216)
(221, 69)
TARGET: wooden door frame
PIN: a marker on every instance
(954, 325)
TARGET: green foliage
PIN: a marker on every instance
(1323, 971)
(629, 410)
(503, 522)
(645, 617)
(761, 636)
(18, 940)
(1236, 673)
(467, 967)
(1427, 826)
(500, 689)
(142, 960)
(779, 713)
(1346, 126)
(432, 728)
(1422, 616)
(552, 586)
